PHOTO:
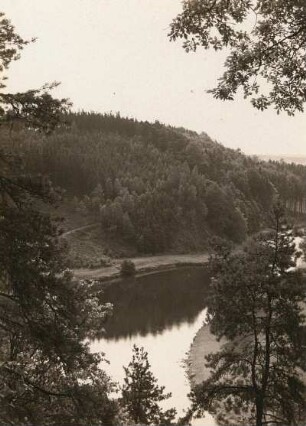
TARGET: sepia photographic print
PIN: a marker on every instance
(152, 212)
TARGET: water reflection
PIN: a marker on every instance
(153, 303)
(161, 312)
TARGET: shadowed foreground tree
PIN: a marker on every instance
(47, 374)
(36, 108)
(141, 395)
(256, 306)
(266, 45)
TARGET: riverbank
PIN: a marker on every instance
(144, 265)
(203, 344)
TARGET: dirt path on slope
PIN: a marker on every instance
(81, 228)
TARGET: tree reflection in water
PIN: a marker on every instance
(153, 303)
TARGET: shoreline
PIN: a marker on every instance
(204, 342)
(144, 266)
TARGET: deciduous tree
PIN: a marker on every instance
(265, 42)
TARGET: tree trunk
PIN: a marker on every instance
(259, 410)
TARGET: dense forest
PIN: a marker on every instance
(157, 188)
(126, 186)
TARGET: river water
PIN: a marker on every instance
(161, 312)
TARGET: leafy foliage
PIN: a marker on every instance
(48, 375)
(127, 268)
(10, 46)
(157, 188)
(266, 45)
(141, 394)
(35, 109)
(47, 372)
(257, 374)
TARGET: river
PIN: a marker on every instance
(161, 312)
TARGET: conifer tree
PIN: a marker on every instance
(47, 374)
(257, 307)
(141, 395)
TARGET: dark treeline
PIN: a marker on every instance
(158, 187)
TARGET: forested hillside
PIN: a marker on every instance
(156, 188)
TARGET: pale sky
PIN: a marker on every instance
(114, 55)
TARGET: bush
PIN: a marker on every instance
(127, 268)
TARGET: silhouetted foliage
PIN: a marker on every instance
(257, 308)
(141, 395)
(35, 109)
(265, 43)
(48, 375)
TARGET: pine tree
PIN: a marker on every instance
(36, 108)
(257, 307)
(47, 374)
(141, 395)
